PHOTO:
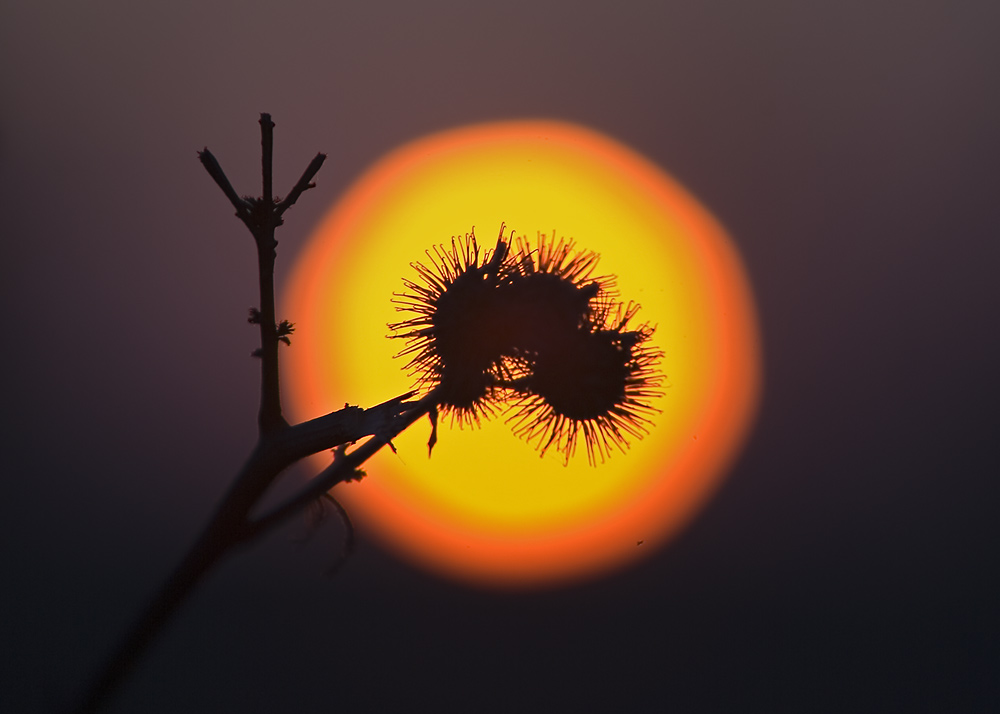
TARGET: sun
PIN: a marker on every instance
(485, 507)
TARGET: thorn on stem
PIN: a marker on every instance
(432, 414)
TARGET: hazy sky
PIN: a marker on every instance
(849, 564)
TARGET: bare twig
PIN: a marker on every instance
(303, 184)
(266, 152)
(343, 468)
(345, 426)
(211, 165)
(265, 221)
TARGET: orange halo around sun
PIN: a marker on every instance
(485, 507)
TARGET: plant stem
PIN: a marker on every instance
(344, 467)
(278, 444)
(270, 418)
(265, 221)
(232, 525)
(266, 153)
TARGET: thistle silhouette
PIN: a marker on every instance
(527, 330)
(531, 329)
(458, 335)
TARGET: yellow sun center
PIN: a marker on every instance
(485, 507)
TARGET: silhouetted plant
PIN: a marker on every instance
(533, 330)
(528, 330)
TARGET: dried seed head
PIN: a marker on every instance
(551, 294)
(536, 330)
(597, 382)
(450, 337)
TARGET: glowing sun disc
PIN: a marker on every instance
(485, 507)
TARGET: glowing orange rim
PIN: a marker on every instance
(485, 508)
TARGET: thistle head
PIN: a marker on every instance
(450, 341)
(533, 330)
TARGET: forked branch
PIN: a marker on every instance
(278, 446)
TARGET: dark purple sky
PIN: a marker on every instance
(851, 148)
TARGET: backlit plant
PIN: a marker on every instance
(530, 328)
(525, 329)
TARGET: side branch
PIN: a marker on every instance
(343, 468)
(343, 426)
(304, 183)
(211, 165)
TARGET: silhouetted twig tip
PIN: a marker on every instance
(214, 169)
(303, 184)
(535, 330)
